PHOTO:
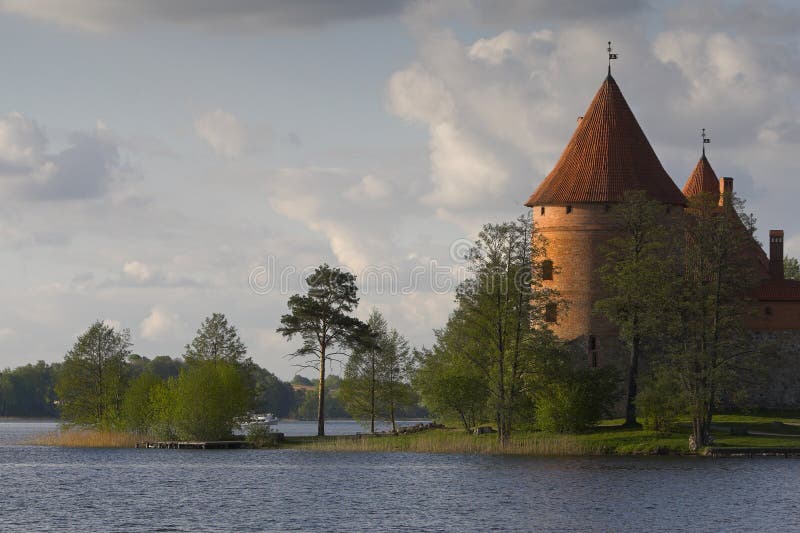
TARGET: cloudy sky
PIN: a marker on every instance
(160, 161)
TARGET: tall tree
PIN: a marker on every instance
(322, 320)
(712, 343)
(376, 377)
(216, 340)
(640, 275)
(359, 391)
(93, 376)
(503, 310)
(394, 369)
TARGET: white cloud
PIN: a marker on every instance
(158, 324)
(369, 188)
(223, 132)
(22, 142)
(137, 271)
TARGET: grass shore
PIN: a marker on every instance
(607, 439)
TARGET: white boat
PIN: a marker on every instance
(257, 419)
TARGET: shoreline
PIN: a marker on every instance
(735, 435)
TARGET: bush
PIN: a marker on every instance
(660, 401)
(575, 399)
(262, 436)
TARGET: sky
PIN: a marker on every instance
(162, 161)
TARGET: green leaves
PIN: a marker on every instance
(93, 376)
(216, 340)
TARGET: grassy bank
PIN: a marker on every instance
(88, 438)
(607, 439)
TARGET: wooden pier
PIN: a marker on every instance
(752, 452)
(196, 445)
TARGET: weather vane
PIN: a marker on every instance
(611, 55)
(706, 140)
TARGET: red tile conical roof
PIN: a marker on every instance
(702, 180)
(608, 155)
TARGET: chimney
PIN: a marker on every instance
(776, 254)
(725, 189)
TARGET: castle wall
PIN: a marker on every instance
(775, 316)
(779, 386)
(574, 244)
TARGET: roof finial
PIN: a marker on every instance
(611, 56)
(706, 140)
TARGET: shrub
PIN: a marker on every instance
(660, 401)
(262, 436)
(575, 399)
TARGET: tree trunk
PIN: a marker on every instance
(321, 393)
(633, 372)
(394, 422)
(372, 396)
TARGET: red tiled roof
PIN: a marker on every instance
(778, 290)
(608, 155)
(702, 180)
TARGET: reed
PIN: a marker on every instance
(454, 441)
(88, 438)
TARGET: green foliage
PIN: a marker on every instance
(216, 340)
(300, 380)
(165, 366)
(376, 377)
(209, 397)
(450, 386)
(93, 377)
(137, 408)
(29, 390)
(791, 268)
(661, 401)
(640, 275)
(501, 314)
(322, 320)
(572, 398)
(711, 342)
(307, 401)
(162, 400)
(261, 436)
(271, 395)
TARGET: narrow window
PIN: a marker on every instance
(547, 269)
(541, 211)
(768, 311)
(550, 313)
(592, 343)
(594, 359)
(569, 209)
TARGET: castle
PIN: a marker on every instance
(607, 156)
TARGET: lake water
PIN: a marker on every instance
(47, 489)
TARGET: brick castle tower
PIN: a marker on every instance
(607, 156)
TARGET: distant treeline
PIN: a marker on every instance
(29, 390)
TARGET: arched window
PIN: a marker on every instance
(541, 211)
(547, 269)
